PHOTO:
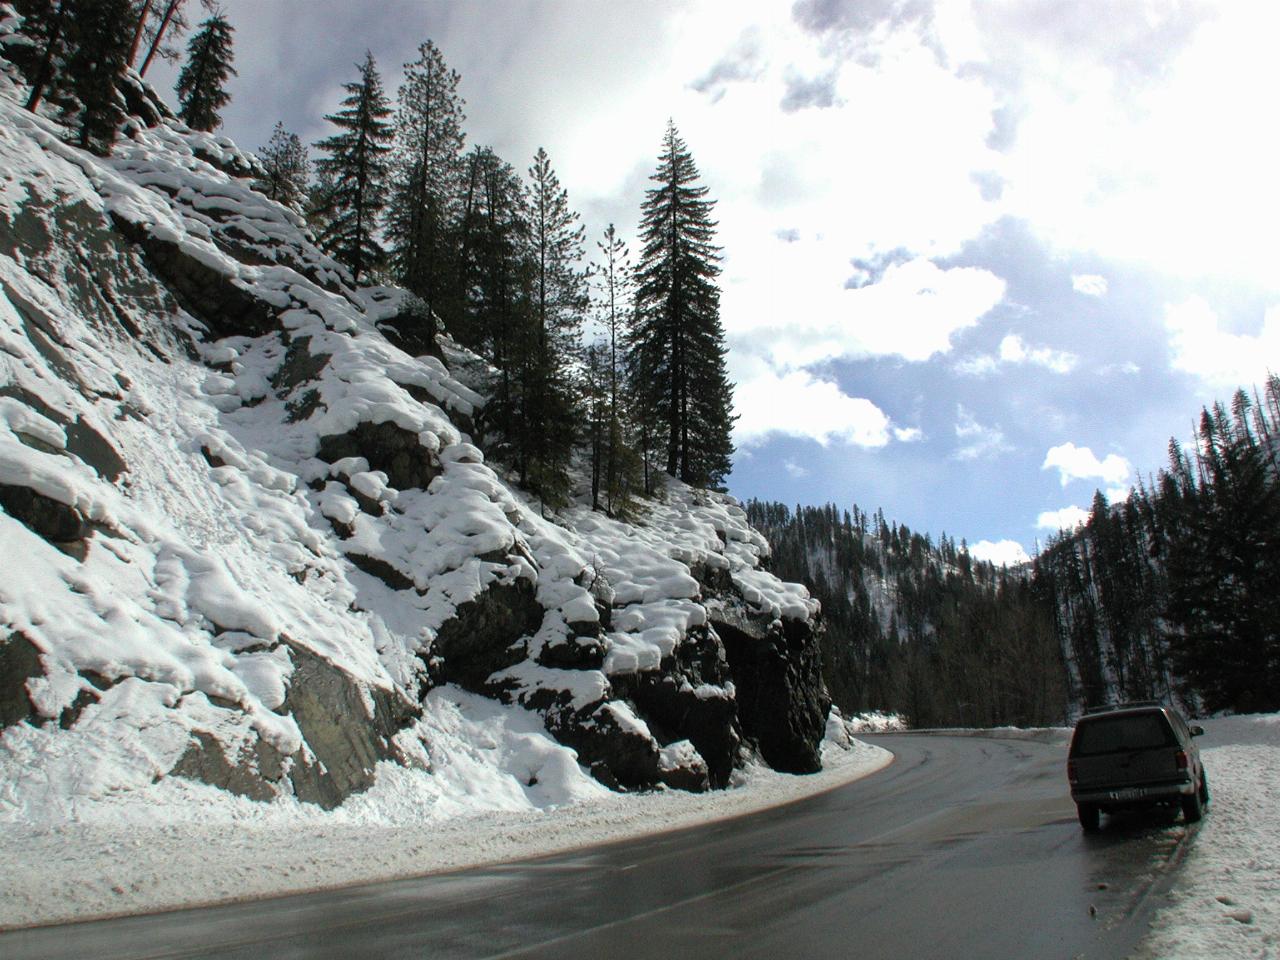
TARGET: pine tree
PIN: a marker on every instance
(494, 271)
(286, 168)
(558, 302)
(357, 167)
(50, 25)
(96, 63)
(677, 351)
(621, 473)
(1224, 568)
(200, 87)
(595, 399)
(427, 172)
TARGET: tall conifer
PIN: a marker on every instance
(678, 351)
(558, 303)
(619, 473)
(427, 170)
(356, 171)
(50, 26)
(201, 84)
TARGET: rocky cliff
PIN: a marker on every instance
(246, 531)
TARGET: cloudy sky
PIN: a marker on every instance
(980, 258)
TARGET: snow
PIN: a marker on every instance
(1225, 902)
(499, 788)
(225, 542)
(182, 601)
(876, 721)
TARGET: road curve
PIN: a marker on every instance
(963, 847)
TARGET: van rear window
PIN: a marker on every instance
(1143, 731)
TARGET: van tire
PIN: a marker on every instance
(1192, 807)
(1090, 817)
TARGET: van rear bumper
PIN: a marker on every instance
(1145, 793)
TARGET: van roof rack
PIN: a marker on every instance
(1105, 707)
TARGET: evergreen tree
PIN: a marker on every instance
(319, 205)
(595, 400)
(50, 25)
(494, 271)
(1224, 594)
(357, 168)
(427, 172)
(620, 473)
(200, 88)
(677, 351)
(96, 63)
(286, 168)
(558, 302)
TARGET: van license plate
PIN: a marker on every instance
(1133, 793)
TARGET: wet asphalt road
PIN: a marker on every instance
(964, 847)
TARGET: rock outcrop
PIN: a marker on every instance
(250, 507)
(777, 674)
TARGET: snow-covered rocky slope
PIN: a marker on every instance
(248, 539)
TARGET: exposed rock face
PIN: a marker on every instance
(333, 712)
(682, 767)
(777, 676)
(618, 754)
(19, 662)
(484, 636)
(300, 365)
(94, 449)
(686, 701)
(225, 307)
(343, 740)
(389, 448)
(56, 522)
(257, 776)
(413, 330)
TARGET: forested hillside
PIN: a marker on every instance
(1172, 593)
(1176, 591)
(917, 628)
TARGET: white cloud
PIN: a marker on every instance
(1068, 518)
(976, 440)
(1118, 494)
(1221, 359)
(1013, 350)
(1080, 463)
(1006, 553)
(912, 311)
(1186, 182)
(917, 307)
(798, 404)
(978, 366)
(908, 434)
(1090, 284)
(794, 469)
(1127, 368)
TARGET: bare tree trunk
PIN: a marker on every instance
(169, 11)
(45, 73)
(137, 31)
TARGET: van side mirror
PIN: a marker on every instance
(1197, 731)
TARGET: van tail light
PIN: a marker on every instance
(1180, 759)
(1071, 771)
